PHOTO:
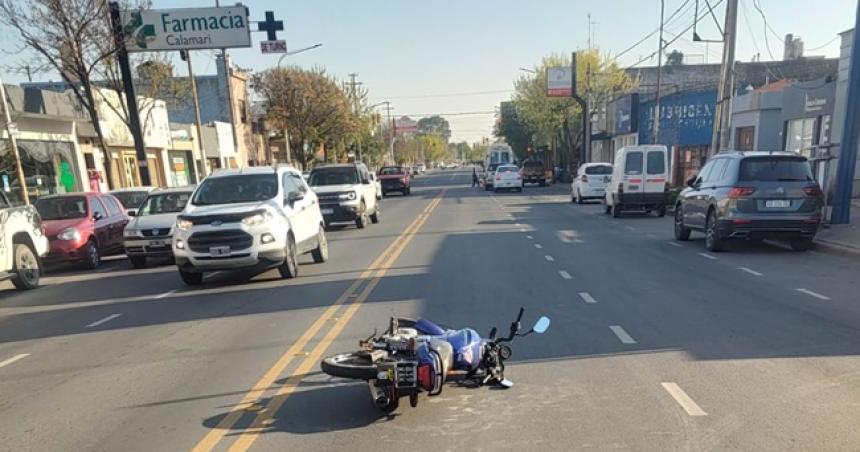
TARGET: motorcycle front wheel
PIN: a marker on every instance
(357, 366)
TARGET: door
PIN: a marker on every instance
(117, 219)
(655, 171)
(368, 190)
(298, 213)
(129, 164)
(693, 203)
(632, 173)
(101, 224)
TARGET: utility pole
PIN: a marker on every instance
(130, 97)
(845, 170)
(13, 140)
(656, 130)
(388, 109)
(723, 115)
(583, 103)
(354, 93)
(204, 171)
(228, 74)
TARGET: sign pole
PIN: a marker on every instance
(204, 169)
(583, 104)
(130, 98)
(13, 140)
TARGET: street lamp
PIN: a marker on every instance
(287, 149)
(531, 71)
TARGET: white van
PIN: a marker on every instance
(497, 154)
(640, 180)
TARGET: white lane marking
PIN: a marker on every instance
(165, 294)
(522, 229)
(564, 239)
(814, 294)
(104, 320)
(676, 245)
(13, 359)
(587, 298)
(622, 335)
(538, 246)
(518, 225)
(630, 228)
(683, 399)
(530, 237)
(549, 258)
(565, 274)
(708, 256)
(750, 271)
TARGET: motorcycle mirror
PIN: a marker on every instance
(541, 325)
(493, 333)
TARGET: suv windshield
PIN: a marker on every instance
(62, 208)
(390, 170)
(131, 199)
(775, 169)
(236, 189)
(333, 176)
(164, 203)
(598, 170)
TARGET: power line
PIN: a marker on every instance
(464, 113)
(666, 22)
(825, 45)
(471, 93)
(767, 28)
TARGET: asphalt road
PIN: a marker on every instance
(654, 345)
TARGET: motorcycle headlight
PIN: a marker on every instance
(183, 225)
(69, 234)
(349, 196)
(129, 232)
(257, 218)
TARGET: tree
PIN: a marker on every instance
(513, 129)
(434, 125)
(598, 77)
(309, 104)
(674, 58)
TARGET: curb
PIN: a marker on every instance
(836, 248)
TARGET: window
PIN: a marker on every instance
(333, 176)
(744, 138)
(243, 111)
(298, 182)
(391, 170)
(656, 162)
(705, 173)
(718, 167)
(507, 169)
(131, 199)
(97, 208)
(290, 185)
(164, 203)
(799, 136)
(236, 189)
(599, 170)
(633, 164)
(112, 207)
(62, 208)
(775, 169)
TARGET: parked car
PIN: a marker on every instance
(422, 168)
(346, 193)
(534, 172)
(82, 227)
(508, 177)
(150, 232)
(306, 175)
(375, 181)
(22, 244)
(252, 219)
(640, 180)
(395, 178)
(590, 182)
(131, 198)
(754, 196)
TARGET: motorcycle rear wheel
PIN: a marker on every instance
(357, 366)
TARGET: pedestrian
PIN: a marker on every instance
(474, 177)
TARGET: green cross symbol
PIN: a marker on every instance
(134, 30)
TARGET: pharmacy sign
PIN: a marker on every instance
(148, 30)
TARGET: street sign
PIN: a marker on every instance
(150, 30)
(279, 46)
(559, 81)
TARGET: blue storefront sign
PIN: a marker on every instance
(624, 113)
(686, 119)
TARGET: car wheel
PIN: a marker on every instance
(661, 212)
(290, 267)
(137, 261)
(681, 233)
(713, 241)
(320, 253)
(616, 210)
(27, 270)
(801, 245)
(190, 278)
(92, 259)
(361, 221)
(607, 209)
(376, 215)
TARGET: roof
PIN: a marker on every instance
(249, 170)
(183, 189)
(338, 165)
(128, 189)
(732, 153)
(88, 194)
(774, 87)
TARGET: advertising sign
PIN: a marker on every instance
(686, 119)
(559, 81)
(186, 28)
(278, 46)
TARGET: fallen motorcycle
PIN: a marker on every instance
(412, 356)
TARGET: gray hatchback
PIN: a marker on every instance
(751, 196)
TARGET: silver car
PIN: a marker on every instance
(150, 232)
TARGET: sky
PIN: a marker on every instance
(462, 56)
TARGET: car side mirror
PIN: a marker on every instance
(365, 181)
(98, 216)
(691, 182)
(132, 213)
(294, 196)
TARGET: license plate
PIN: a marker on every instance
(326, 211)
(633, 187)
(219, 251)
(156, 243)
(777, 203)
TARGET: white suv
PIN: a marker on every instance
(249, 218)
(346, 193)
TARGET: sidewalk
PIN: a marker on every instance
(842, 237)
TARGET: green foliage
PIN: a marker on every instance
(434, 125)
(513, 129)
(674, 58)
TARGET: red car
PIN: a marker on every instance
(395, 178)
(82, 227)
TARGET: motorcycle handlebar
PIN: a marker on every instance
(515, 327)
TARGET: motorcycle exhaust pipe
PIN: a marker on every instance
(379, 397)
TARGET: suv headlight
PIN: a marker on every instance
(69, 234)
(184, 225)
(348, 196)
(130, 232)
(257, 218)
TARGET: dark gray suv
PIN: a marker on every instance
(752, 196)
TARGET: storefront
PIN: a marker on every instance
(624, 122)
(49, 168)
(807, 111)
(124, 166)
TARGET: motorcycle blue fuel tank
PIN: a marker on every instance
(467, 345)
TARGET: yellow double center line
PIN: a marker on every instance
(253, 399)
